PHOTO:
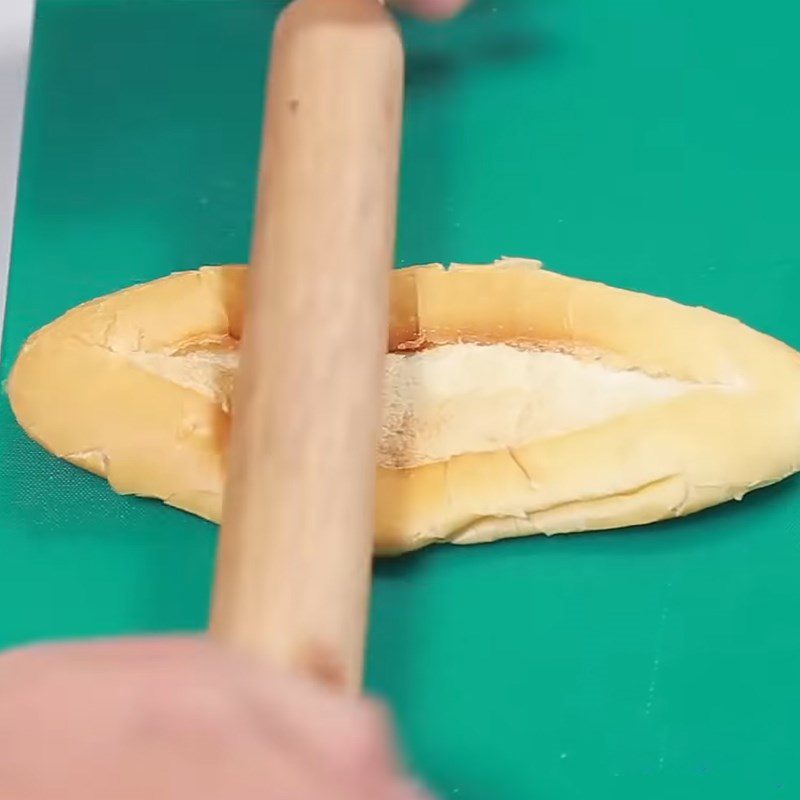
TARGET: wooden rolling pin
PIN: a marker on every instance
(294, 562)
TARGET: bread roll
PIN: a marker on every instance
(517, 401)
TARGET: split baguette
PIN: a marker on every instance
(517, 401)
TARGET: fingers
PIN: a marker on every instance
(349, 740)
(186, 712)
(431, 9)
(351, 736)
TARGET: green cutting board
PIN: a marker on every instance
(651, 144)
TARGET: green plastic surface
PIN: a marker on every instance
(651, 144)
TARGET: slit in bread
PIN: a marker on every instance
(516, 401)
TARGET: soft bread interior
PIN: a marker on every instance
(207, 371)
(470, 398)
(448, 400)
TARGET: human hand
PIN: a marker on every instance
(181, 719)
(431, 9)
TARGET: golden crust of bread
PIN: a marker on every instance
(130, 387)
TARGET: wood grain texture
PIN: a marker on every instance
(293, 567)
